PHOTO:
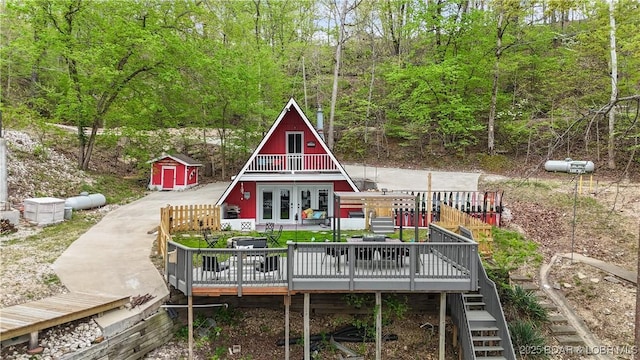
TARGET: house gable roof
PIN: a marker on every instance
(292, 105)
(181, 158)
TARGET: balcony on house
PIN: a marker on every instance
(277, 163)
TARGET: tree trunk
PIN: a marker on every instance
(611, 163)
(638, 293)
(89, 146)
(336, 72)
(494, 88)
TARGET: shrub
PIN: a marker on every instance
(528, 341)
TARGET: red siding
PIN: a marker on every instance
(156, 175)
(247, 207)
(342, 185)
(192, 175)
(182, 176)
(277, 143)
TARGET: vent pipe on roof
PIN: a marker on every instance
(320, 124)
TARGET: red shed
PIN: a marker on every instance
(173, 172)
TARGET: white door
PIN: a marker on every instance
(294, 151)
(276, 204)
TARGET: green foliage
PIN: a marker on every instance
(115, 189)
(394, 307)
(227, 316)
(527, 340)
(524, 305)
(424, 82)
(40, 152)
(512, 250)
(493, 163)
(357, 301)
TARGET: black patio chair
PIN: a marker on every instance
(211, 240)
(211, 263)
(333, 252)
(363, 253)
(396, 254)
(269, 264)
(273, 237)
(269, 227)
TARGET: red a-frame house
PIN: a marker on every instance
(291, 170)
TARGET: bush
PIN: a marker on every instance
(528, 341)
(523, 304)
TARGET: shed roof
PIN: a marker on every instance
(181, 158)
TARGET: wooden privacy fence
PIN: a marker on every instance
(484, 205)
(452, 219)
(185, 218)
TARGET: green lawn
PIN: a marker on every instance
(194, 239)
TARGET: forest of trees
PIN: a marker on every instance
(532, 79)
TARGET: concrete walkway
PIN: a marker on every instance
(112, 258)
(630, 276)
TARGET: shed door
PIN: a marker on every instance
(168, 177)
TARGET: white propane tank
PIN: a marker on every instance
(85, 201)
(567, 165)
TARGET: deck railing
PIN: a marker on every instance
(445, 265)
(490, 296)
(275, 163)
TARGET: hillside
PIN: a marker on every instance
(541, 208)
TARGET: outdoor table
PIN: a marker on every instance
(379, 239)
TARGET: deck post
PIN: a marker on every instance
(190, 319)
(307, 330)
(441, 326)
(33, 340)
(378, 325)
(429, 201)
(287, 305)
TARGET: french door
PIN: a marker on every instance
(275, 204)
(281, 203)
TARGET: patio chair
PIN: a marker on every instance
(363, 253)
(269, 264)
(333, 252)
(211, 240)
(396, 254)
(211, 263)
(273, 237)
(269, 227)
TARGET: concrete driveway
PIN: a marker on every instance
(408, 179)
(112, 258)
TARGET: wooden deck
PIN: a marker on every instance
(34, 316)
(330, 267)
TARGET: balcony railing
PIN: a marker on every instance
(275, 163)
(447, 265)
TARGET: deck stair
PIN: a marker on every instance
(382, 225)
(487, 344)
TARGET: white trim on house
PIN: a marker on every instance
(296, 205)
(291, 105)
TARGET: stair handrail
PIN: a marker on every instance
(459, 318)
(491, 298)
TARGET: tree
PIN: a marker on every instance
(611, 163)
(102, 55)
(342, 14)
